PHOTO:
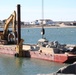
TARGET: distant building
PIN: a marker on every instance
(36, 22)
(48, 21)
(26, 23)
(43, 21)
(68, 23)
(74, 23)
(1, 22)
(32, 23)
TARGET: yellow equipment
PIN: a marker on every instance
(19, 47)
(7, 36)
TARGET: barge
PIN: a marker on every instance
(45, 53)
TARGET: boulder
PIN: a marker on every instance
(70, 69)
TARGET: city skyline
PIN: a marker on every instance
(57, 10)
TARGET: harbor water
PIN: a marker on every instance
(10, 65)
(62, 35)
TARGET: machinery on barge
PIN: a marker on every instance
(8, 36)
(10, 40)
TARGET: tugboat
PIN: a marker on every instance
(53, 51)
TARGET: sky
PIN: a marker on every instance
(31, 10)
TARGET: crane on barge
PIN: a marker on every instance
(7, 36)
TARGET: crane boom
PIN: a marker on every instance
(12, 19)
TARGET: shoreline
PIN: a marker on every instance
(45, 26)
(48, 26)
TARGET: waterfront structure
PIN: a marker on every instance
(45, 22)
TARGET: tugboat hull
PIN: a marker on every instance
(61, 58)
